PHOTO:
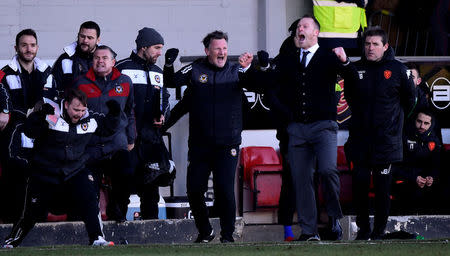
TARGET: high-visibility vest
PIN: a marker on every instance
(339, 20)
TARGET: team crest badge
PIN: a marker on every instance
(233, 152)
(157, 79)
(84, 127)
(431, 145)
(387, 74)
(119, 89)
(203, 78)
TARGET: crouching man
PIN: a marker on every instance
(58, 163)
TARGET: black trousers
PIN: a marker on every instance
(382, 177)
(222, 162)
(148, 193)
(13, 183)
(80, 190)
(15, 171)
(119, 168)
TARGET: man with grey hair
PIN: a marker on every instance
(110, 155)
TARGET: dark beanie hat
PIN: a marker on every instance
(148, 37)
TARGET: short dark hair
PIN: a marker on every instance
(316, 22)
(376, 31)
(73, 93)
(412, 65)
(425, 111)
(91, 25)
(216, 35)
(293, 27)
(105, 47)
(25, 32)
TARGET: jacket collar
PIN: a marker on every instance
(213, 67)
(71, 49)
(65, 116)
(387, 56)
(38, 64)
(91, 74)
(135, 58)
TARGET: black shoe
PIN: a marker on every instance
(376, 236)
(335, 229)
(205, 238)
(363, 235)
(306, 237)
(114, 213)
(226, 240)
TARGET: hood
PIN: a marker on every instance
(411, 130)
(388, 56)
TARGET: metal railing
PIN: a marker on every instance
(406, 41)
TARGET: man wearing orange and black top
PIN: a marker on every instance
(418, 173)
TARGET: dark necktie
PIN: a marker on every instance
(303, 61)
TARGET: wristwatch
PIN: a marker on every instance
(5, 111)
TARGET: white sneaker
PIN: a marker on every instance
(102, 242)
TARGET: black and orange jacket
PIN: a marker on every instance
(99, 90)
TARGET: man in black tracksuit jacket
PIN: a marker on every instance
(77, 57)
(215, 125)
(151, 100)
(23, 83)
(110, 155)
(380, 96)
(61, 135)
(417, 175)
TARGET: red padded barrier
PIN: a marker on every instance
(251, 156)
(262, 174)
(55, 218)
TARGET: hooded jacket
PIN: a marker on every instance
(380, 97)
(18, 94)
(215, 100)
(151, 98)
(70, 65)
(422, 154)
(60, 147)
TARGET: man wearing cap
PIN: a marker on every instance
(151, 106)
(110, 155)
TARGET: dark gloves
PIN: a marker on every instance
(263, 58)
(171, 56)
(47, 109)
(113, 107)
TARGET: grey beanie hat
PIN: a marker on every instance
(148, 37)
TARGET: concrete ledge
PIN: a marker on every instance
(428, 226)
(184, 231)
(133, 232)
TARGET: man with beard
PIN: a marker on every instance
(421, 164)
(151, 107)
(24, 82)
(110, 155)
(77, 57)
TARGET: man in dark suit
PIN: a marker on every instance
(306, 100)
